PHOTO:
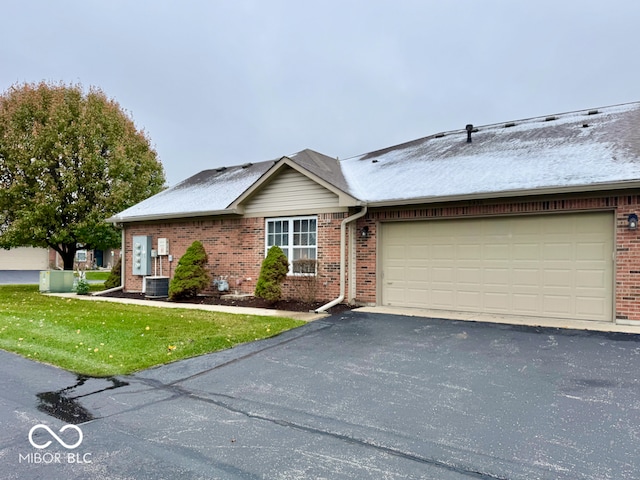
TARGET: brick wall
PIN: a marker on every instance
(235, 247)
(627, 267)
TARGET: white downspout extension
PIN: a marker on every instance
(343, 257)
(123, 254)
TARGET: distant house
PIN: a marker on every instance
(535, 217)
(29, 258)
(25, 258)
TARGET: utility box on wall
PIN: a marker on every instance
(163, 246)
(141, 264)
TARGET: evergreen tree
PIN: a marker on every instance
(115, 277)
(190, 277)
(273, 271)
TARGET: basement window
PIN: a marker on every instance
(297, 237)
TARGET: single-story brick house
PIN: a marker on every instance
(536, 217)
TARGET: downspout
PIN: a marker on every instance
(343, 257)
(123, 255)
(122, 270)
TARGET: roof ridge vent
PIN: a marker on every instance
(469, 129)
(550, 118)
(593, 112)
(510, 124)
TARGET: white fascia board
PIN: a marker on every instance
(598, 187)
(172, 216)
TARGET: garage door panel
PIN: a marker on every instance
(497, 251)
(468, 300)
(591, 279)
(469, 276)
(24, 258)
(496, 277)
(497, 301)
(557, 252)
(557, 278)
(590, 305)
(526, 251)
(441, 299)
(557, 305)
(525, 277)
(543, 265)
(590, 251)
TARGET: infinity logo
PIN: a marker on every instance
(58, 439)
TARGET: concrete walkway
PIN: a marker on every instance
(265, 312)
(507, 319)
(410, 312)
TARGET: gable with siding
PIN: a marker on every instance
(291, 193)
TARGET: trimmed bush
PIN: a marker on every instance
(191, 277)
(272, 273)
(82, 287)
(115, 277)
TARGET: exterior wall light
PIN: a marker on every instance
(633, 221)
(364, 232)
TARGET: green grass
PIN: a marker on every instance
(96, 275)
(104, 338)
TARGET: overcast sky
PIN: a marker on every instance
(218, 83)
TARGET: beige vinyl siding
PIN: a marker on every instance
(291, 192)
(553, 266)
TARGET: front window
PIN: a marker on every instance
(297, 237)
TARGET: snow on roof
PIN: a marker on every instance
(574, 149)
(210, 191)
(579, 149)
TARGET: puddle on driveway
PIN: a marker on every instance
(65, 403)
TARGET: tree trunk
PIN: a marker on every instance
(68, 254)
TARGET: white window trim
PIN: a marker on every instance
(290, 248)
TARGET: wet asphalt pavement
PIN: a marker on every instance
(19, 277)
(355, 396)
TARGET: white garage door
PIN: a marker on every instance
(558, 266)
(24, 258)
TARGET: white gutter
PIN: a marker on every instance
(343, 257)
(110, 290)
(123, 254)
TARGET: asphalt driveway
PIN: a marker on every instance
(19, 277)
(355, 396)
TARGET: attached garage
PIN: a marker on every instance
(555, 265)
(24, 258)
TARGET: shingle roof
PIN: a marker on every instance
(213, 191)
(572, 150)
(588, 150)
(208, 192)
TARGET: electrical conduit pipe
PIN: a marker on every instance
(343, 258)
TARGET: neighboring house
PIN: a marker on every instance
(24, 258)
(534, 217)
(30, 258)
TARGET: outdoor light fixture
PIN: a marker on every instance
(633, 221)
(364, 232)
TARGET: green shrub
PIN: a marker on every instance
(115, 277)
(272, 273)
(191, 277)
(82, 287)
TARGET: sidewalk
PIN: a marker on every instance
(265, 312)
(563, 323)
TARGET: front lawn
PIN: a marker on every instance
(102, 339)
(100, 275)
